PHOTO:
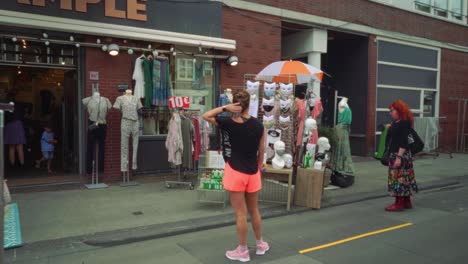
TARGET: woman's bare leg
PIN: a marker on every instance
(20, 150)
(239, 206)
(12, 154)
(256, 218)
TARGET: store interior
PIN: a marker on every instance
(42, 97)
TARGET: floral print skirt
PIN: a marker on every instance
(401, 180)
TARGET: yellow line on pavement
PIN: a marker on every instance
(355, 238)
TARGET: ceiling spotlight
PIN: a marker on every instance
(45, 35)
(113, 49)
(172, 49)
(149, 46)
(58, 84)
(77, 45)
(63, 62)
(130, 51)
(47, 43)
(194, 60)
(104, 47)
(19, 71)
(200, 48)
(174, 53)
(72, 38)
(233, 60)
(98, 41)
(206, 52)
(14, 39)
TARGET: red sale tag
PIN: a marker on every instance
(179, 102)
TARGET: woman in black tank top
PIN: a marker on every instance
(244, 138)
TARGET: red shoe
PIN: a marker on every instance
(397, 206)
(407, 202)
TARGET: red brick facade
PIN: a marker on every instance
(112, 72)
(258, 44)
(453, 83)
(365, 12)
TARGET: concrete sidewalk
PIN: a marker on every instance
(120, 215)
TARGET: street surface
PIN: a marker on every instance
(434, 232)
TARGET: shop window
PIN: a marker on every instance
(441, 7)
(429, 104)
(423, 5)
(407, 55)
(457, 9)
(184, 69)
(407, 77)
(387, 96)
(383, 118)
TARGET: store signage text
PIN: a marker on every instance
(179, 102)
(136, 9)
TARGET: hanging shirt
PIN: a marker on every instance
(174, 142)
(147, 69)
(129, 106)
(97, 109)
(139, 78)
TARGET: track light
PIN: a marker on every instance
(174, 53)
(44, 35)
(104, 48)
(72, 38)
(149, 46)
(113, 49)
(47, 43)
(130, 51)
(172, 49)
(77, 45)
(14, 39)
(233, 60)
(98, 41)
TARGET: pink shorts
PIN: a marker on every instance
(235, 181)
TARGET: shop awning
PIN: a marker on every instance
(27, 20)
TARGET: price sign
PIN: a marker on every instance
(179, 102)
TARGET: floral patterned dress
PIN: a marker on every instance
(401, 180)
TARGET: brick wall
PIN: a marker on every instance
(112, 71)
(453, 83)
(382, 17)
(258, 44)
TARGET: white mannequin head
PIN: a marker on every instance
(286, 89)
(310, 125)
(269, 89)
(278, 161)
(252, 87)
(228, 91)
(288, 160)
(128, 92)
(323, 145)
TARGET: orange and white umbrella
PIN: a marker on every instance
(290, 72)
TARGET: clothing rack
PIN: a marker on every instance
(180, 181)
(439, 148)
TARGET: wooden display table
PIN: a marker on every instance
(284, 173)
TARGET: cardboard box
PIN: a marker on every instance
(309, 188)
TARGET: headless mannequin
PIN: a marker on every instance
(229, 94)
(278, 161)
(343, 104)
(323, 146)
(97, 107)
(128, 105)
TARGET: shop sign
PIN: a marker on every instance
(179, 102)
(94, 76)
(135, 9)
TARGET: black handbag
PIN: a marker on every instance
(341, 180)
(415, 143)
(386, 155)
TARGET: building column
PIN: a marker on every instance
(315, 59)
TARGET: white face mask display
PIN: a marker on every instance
(253, 87)
(286, 89)
(285, 105)
(270, 89)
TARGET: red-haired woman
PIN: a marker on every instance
(401, 181)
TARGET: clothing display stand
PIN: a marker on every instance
(95, 174)
(179, 181)
(126, 182)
